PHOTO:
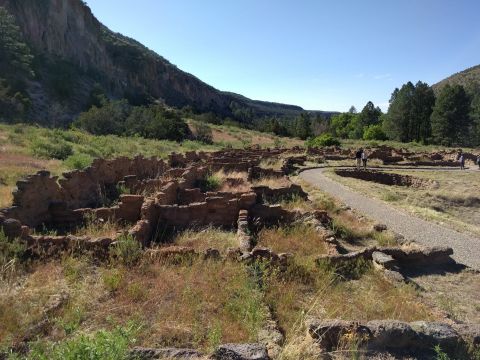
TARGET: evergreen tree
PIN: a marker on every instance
(450, 118)
(396, 124)
(408, 117)
(15, 56)
(475, 118)
(424, 101)
(303, 126)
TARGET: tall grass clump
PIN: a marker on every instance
(78, 161)
(100, 345)
(211, 182)
(11, 254)
(126, 250)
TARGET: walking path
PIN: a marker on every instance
(466, 248)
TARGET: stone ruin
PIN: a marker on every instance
(390, 179)
(163, 196)
(166, 196)
(397, 157)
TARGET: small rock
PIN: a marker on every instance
(391, 334)
(213, 254)
(12, 228)
(383, 260)
(141, 353)
(241, 352)
(393, 276)
(433, 333)
(469, 332)
(327, 333)
(380, 227)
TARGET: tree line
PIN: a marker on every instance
(450, 117)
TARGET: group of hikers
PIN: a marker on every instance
(362, 158)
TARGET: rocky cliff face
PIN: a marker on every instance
(62, 32)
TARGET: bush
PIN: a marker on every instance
(78, 161)
(119, 118)
(126, 250)
(210, 183)
(374, 132)
(55, 149)
(323, 140)
(97, 346)
(203, 133)
(105, 120)
(10, 250)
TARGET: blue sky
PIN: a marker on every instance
(321, 55)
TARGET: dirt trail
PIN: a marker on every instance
(466, 247)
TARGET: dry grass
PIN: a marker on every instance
(232, 181)
(306, 291)
(207, 238)
(96, 228)
(272, 182)
(22, 302)
(301, 239)
(196, 305)
(272, 163)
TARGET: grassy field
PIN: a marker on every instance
(132, 299)
(456, 202)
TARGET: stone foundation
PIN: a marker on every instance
(387, 178)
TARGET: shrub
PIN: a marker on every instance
(374, 132)
(100, 345)
(203, 133)
(59, 149)
(11, 252)
(78, 161)
(210, 183)
(126, 250)
(112, 279)
(108, 119)
(323, 140)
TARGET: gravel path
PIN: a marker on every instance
(466, 248)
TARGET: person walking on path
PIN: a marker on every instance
(364, 160)
(358, 156)
(462, 161)
(478, 162)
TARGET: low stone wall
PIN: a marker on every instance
(252, 351)
(77, 189)
(411, 256)
(390, 335)
(256, 173)
(387, 178)
(52, 246)
(272, 195)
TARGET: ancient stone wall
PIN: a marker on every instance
(36, 194)
(387, 178)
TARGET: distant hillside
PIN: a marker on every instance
(469, 78)
(75, 56)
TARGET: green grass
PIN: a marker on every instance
(101, 345)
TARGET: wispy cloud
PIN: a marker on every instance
(360, 75)
(383, 76)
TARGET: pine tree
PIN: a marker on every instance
(408, 116)
(450, 118)
(16, 56)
